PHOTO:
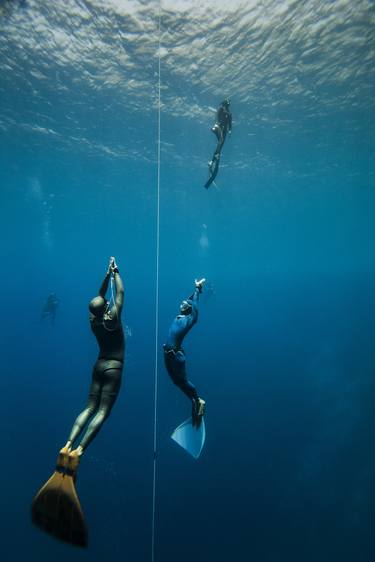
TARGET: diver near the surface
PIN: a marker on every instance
(221, 128)
(56, 508)
(50, 307)
(174, 355)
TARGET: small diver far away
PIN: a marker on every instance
(223, 125)
(56, 508)
(191, 433)
(50, 307)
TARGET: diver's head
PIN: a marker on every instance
(225, 102)
(98, 306)
(185, 308)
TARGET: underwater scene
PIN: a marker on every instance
(187, 196)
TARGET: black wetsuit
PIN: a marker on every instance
(220, 129)
(174, 355)
(107, 372)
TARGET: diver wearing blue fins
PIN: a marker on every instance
(56, 508)
(174, 355)
(222, 126)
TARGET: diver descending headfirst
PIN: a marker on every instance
(56, 508)
(174, 355)
(223, 125)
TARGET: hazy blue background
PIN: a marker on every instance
(283, 352)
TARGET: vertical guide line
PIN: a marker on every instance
(156, 307)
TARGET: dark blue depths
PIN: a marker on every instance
(283, 351)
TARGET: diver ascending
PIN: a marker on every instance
(223, 125)
(174, 355)
(56, 507)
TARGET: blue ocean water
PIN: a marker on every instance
(283, 351)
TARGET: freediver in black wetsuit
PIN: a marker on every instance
(223, 125)
(50, 307)
(56, 508)
(174, 355)
(106, 378)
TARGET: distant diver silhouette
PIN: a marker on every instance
(223, 125)
(50, 307)
(56, 508)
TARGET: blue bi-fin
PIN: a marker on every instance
(190, 438)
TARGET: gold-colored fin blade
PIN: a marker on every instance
(56, 510)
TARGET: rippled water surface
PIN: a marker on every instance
(288, 66)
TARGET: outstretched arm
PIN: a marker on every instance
(119, 292)
(119, 286)
(112, 268)
(194, 300)
(187, 321)
(104, 285)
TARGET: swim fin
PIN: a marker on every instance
(212, 177)
(56, 508)
(190, 438)
(213, 168)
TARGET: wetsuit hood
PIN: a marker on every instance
(185, 308)
(98, 306)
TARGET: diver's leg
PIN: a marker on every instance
(198, 405)
(213, 168)
(92, 406)
(216, 129)
(215, 158)
(110, 389)
(176, 367)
